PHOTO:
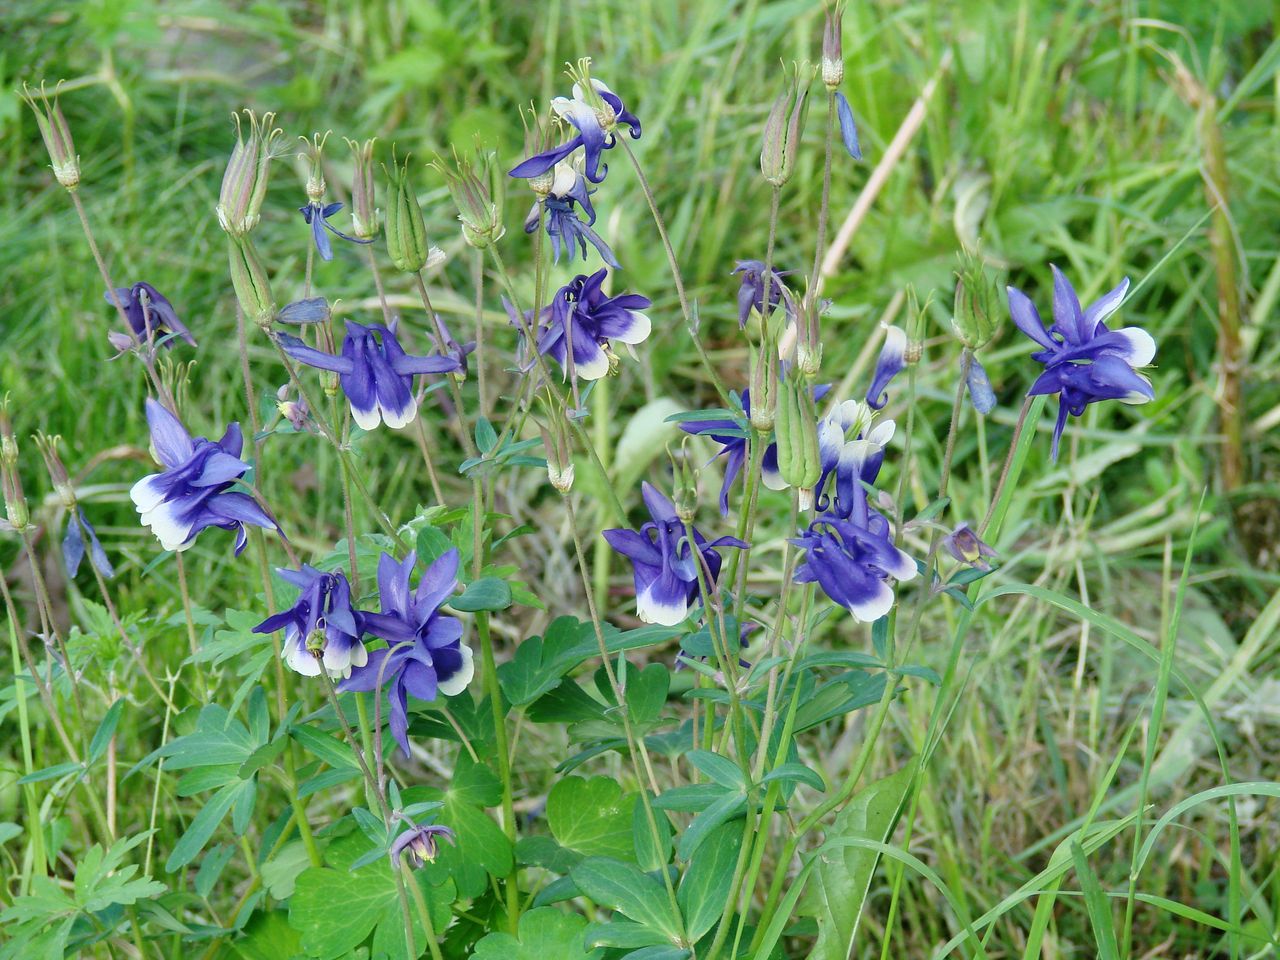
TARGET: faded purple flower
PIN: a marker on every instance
(150, 315)
(79, 527)
(967, 547)
(751, 290)
(563, 225)
(420, 842)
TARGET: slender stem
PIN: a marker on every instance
(477, 280)
(39, 859)
(812, 332)
(636, 747)
(44, 603)
(1008, 462)
(420, 902)
(690, 321)
(377, 282)
(190, 618)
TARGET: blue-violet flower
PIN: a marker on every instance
(321, 627)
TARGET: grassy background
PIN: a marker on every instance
(1060, 133)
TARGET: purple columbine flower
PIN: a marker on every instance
(376, 375)
(79, 527)
(583, 313)
(855, 561)
(665, 568)
(734, 447)
(425, 655)
(194, 491)
(851, 447)
(751, 291)
(891, 362)
(321, 626)
(848, 129)
(563, 225)
(979, 384)
(595, 123)
(317, 216)
(1085, 362)
(150, 315)
(421, 843)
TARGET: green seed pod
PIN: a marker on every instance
(977, 303)
(406, 231)
(799, 461)
(249, 278)
(56, 135)
(782, 134)
(364, 208)
(244, 184)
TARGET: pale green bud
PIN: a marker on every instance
(249, 278)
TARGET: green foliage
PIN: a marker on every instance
(543, 933)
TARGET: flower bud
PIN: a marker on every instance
(56, 135)
(244, 184)
(978, 304)
(832, 47)
(799, 459)
(249, 278)
(313, 152)
(406, 231)
(472, 190)
(364, 209)
(968, 548)
(57, 470)
(782, 134)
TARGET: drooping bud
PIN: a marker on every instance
(473, 189)
(364, 208)
(784, 128)
(968, 548)
(799, 459)
(249, 278)
(244, 184)
(56, 135)
(685, 481)
(978, 304)
(57, 470)
(295, 411)
(832, 46)
(313, 153)
(406, 231)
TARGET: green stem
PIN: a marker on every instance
(420, 902)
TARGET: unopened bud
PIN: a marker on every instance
(473, 189)
(249, 278)
(313, 153)
(406, 231)
(764, 389)
(832, 47)
(56, 135)
(244, 184)
(364, 208)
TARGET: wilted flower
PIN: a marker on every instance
(322, 627)
(295, 411)
(891, 362)
(851, 446)
(317, 215)
(425, 655)
(665, 566)
(563, 225)
(376, 375)
(150, 314)
(855, 561)
(848, 129)
(78, 525)
(1085, 362)
(194, 491)
(420, 842)
(833, 46)
(56, 135)
(967, 547)
(979, 384)
(244, 184)
(751, 291)
(595, 111)
(581, 312)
